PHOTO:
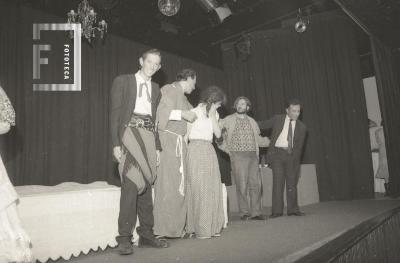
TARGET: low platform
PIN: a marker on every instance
(70, 218)
(284, 239)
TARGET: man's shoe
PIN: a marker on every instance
(298, 213)
(274, 215)
(125, 248)
(244, 217)
(154, 242)
(259, 217)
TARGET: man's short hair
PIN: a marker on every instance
(184, 74)
(248, 103)
(293, 102)
(151, 51)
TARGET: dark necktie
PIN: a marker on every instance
(144, 85)
(290, 137)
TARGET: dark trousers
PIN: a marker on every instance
(285, 168)
(248, 182)
(131, 206)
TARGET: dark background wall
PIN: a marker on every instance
(63, 136)
(320, 67)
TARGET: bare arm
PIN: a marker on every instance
(188, 130)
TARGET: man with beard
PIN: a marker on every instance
(241, 141)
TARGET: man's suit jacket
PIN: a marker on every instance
(276, 124)
(123, 100)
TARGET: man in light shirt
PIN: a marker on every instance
(284, 153)
(173, 114)
(136, 147)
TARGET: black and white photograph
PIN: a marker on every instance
(195, 131)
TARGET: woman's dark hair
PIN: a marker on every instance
(184, 74)
(212, 94)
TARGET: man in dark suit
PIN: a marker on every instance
(284, 153)
(134, 101)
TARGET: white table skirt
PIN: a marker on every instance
(69, 218)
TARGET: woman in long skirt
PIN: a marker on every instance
(14, 241)
(204, 189)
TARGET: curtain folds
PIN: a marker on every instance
(321, 68)
(387, 69)
(63, 136)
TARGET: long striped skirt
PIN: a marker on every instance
(205, 215)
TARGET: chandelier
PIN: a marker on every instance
(87, 17)
(169, 7)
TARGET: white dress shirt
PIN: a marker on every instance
(282, 139)
(142, 105)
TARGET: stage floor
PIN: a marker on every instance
(282, 239)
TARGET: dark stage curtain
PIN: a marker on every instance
(321, 68)
(64, 136)
(387, 70)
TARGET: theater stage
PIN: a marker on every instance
(283, 239)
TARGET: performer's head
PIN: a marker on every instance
(293, 109)
(213, 95)
(242, 105)
(187, 79)
(150, 62)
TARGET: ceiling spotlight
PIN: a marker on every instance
(223, 11)
(302, 22)
(169, 7)
(208, 5)
(218, 11)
